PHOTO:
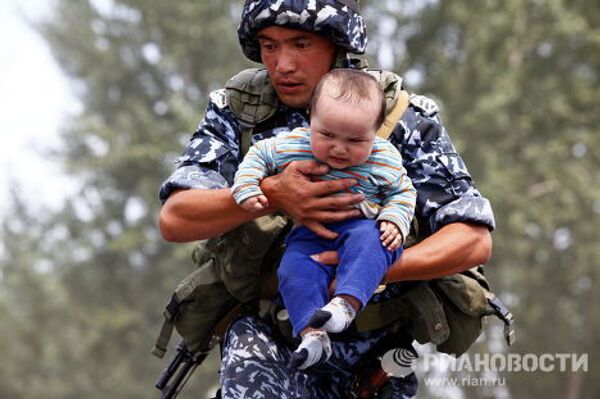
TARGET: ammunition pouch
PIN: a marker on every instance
(242, 257)
(232, 269)
(448, 312)
(235, 268)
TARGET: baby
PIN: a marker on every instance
(346, 108)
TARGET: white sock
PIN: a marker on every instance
(334, 317)
(314, 348)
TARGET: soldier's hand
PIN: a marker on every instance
(328, 258)
(311, 203)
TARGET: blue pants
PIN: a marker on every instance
(303, 283)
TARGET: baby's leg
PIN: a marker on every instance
(303, 283)
(363, 262)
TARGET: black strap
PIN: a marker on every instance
(504, 314)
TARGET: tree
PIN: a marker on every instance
(516, 81)
(86, 325)
(82, 288)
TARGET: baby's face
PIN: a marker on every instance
(342, 133)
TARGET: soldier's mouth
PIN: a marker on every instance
(289, 87)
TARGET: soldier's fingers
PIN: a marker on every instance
(321, 230)
(326, 187)
(329, 258)
(339, 201)
(334, 216)
(307, 167)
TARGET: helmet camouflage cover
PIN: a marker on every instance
(338, 20)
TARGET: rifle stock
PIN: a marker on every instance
(181, 366)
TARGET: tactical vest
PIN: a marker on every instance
(237, 269)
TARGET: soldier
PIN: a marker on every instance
(298, 42)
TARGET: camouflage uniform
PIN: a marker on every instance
(255, 359)
(445, 189)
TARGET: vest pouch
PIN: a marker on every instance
(245, 255)
(465, 305)
(198, 303)
(200, 312)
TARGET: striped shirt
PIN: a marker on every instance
(389, 193)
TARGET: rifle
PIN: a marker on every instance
(186, 362)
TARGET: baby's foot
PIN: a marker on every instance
(334, 317)
(314, 348)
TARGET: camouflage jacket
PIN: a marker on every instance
(446, 192)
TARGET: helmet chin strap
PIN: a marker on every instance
(344, 59)
(341, 58)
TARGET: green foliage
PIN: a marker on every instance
(84, 327)
(517, 81)
(81, 289)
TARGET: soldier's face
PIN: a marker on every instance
(295, 61)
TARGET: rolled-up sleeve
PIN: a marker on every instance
(445, 190)
(210, 158)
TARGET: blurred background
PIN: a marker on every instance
(98, 97)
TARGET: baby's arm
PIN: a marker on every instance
(397, 206)
(255, 166)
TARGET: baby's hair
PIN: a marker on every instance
(353, 86)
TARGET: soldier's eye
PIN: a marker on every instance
(268, 46)
(303, 44)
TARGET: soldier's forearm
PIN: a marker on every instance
(454, 248)
(197, 214)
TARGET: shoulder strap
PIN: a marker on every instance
(252, 99)
(393, 116)
(396, 100)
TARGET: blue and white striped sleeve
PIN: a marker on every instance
(399, 195)
(256, 165)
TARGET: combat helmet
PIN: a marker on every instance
(338, 20)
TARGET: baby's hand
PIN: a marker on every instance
(391, 237)
(255, 204)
